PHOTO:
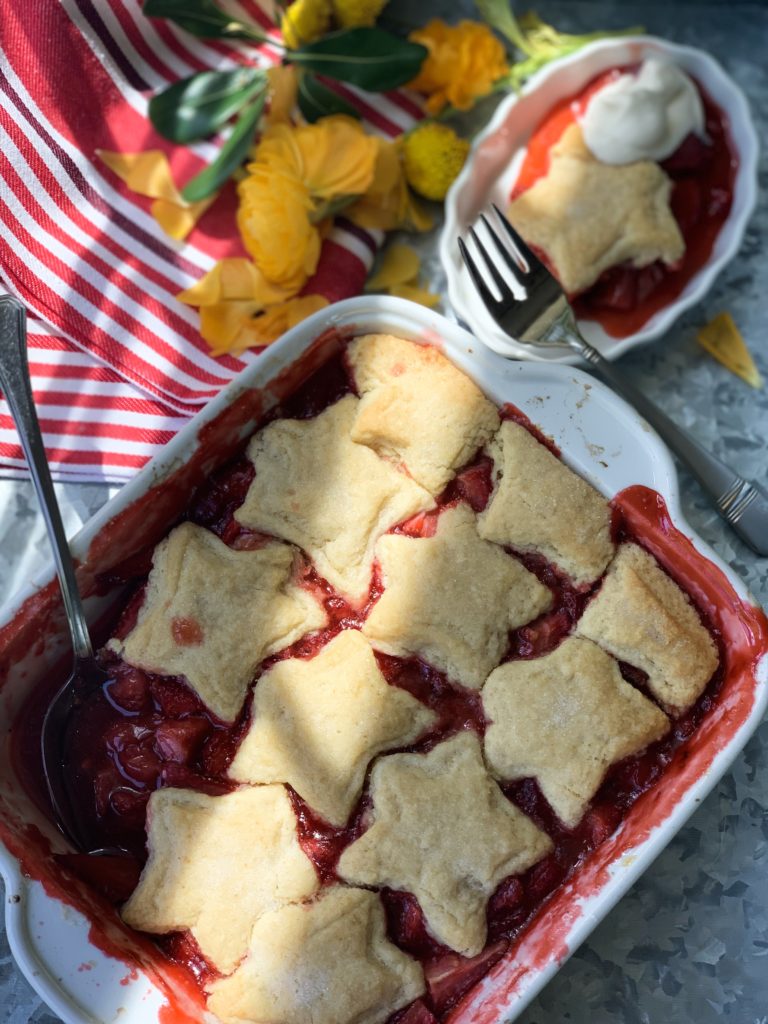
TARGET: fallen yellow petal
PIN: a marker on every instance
(178, 220)
(415, 294)
(221, 324)
(148, 174)
(400, 264)
(722, 339)
(278, 319)
(234, 279)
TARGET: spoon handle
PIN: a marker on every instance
(15, 385)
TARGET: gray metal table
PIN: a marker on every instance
(690, 942)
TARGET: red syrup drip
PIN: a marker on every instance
(143, 731)
(624, 298)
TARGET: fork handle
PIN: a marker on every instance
(742, 503)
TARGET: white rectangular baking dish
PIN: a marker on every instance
(60, 947)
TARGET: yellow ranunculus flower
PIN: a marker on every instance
(463, 63)
(387, 203)
(433, 154)
(352, 13)
(333, 157)
(305, 21)
(273, 218)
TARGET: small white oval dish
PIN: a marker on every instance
(491, 170)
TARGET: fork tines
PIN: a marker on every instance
(526, 268)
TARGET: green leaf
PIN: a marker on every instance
(232, 154)
(202, 18)
(200, 105)
(317, 100)
(367, 57)
(498, 14)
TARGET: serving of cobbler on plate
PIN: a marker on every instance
(395, 674)
(623, 189)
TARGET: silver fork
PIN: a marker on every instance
(544, 319)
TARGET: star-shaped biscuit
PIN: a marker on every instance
(212, 614)
(216, 865)
(318, 489)
(562, 517)
(451, 599)
(443, 830)
(317, 724)
(588, 216)
(564, 719)
(642, 617)
(417, 408)
(324, 962)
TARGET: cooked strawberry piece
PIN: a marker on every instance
(174, 698)
(615, 289)
(243, 539)
(407, 925)
(649, 279)
(129, 803)
(417, 1013)
(635, 774)
(474, 485)
(600, 823)
(179, 741)
(684, 727)
(423, 524)
(125, 733)
(129, 690)
(450, 976)
(690, 155)
(540, 636)
(544, 877)
(140, 763)
(222, 493)
(508, 897)
(217, 754)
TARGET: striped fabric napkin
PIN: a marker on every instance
(117, 362)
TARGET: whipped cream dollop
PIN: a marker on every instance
(643, 116)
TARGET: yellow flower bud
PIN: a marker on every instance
(433, 155)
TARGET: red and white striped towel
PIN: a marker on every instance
(118, 363)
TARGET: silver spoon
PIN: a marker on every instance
(86, 674)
